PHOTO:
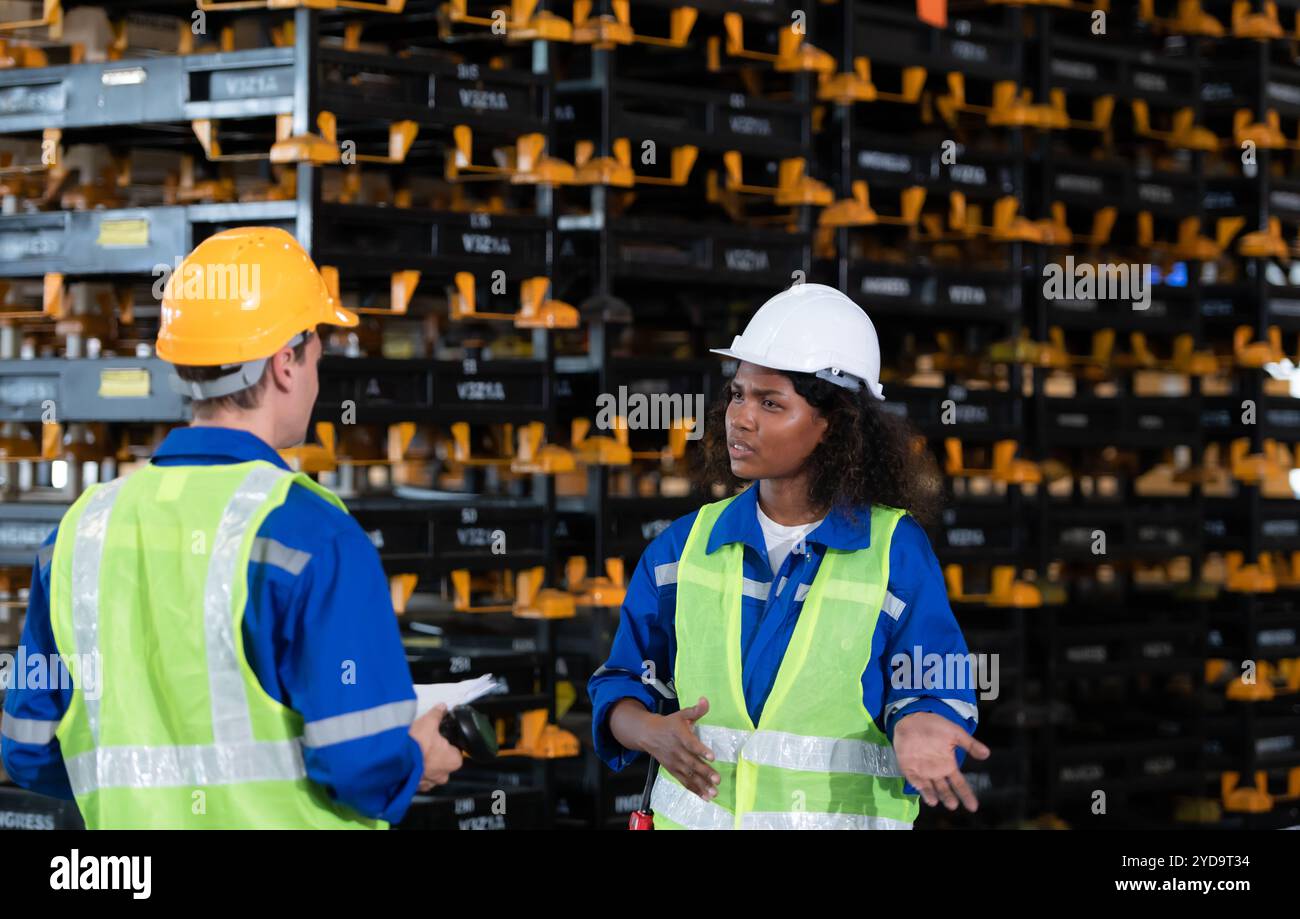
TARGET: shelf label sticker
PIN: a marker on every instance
(17, 534)
(124, 383)
(886, 287)
(967, 295)
(746, 260)
(884, 161)
(132, 233)
(1284, 200)
(480, 391)
(1071, 69)
(131, 76)
(44, 98)
(1283, 92)
(1085, 184)
(750, 125)
(255, 82)
(1156, 194)
(1145, 80)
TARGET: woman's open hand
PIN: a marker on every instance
(671, 740)
(926, 744)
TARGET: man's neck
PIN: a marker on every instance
(255, 423)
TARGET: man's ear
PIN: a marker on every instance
(281, 368)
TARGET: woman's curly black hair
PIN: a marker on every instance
(868, 455)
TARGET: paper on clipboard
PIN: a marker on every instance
(427, 695)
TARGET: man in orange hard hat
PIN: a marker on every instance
(228, 628)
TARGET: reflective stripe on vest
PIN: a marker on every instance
(149, 576)
(816, 759)
(87, 554)
(169, 767)
(794, 751)
(682, 806)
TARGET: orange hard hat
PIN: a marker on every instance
(240, 296)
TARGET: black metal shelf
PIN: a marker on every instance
(971, 294)
(360, 89)
(445, 391)
(97, 389)
(666, 251)
(357, 239)
(433, 538)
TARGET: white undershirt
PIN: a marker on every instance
(781, 539)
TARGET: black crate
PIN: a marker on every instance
(23, 810)
(461, 805)
(433, 538)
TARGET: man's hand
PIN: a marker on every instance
(926, 744)
(671, 740)
(441, 759)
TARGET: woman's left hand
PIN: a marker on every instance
(926, 744)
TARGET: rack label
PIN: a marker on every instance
(750, 124)
(883, 162)
(131, 76)
(1157, 194)
(1150, 82)
(1089, 185)
(124, 383)
(1284, 92)
(481, 391)
(1284, 200)
(132, 233)
(25, 100)
(256, 83)
(746, 260)
(886, 287)
(1077, 70)
(481, 100)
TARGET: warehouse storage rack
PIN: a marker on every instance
(412, 114)
(775, 156)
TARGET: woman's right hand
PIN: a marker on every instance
(671, 740)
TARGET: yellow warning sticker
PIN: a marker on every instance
(134, 232)
(124, 383)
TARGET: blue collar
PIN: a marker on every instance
(203, 446)
(738, 522)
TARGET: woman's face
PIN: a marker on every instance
(771, 430)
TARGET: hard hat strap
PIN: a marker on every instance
(839, 378)
(240, 378)
(244, 376)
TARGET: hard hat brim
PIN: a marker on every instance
(875, 389)
(742, 356)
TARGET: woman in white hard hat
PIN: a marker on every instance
(795, 615)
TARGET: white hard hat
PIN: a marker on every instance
(812, 328)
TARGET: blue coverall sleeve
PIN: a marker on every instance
(340, 664)
(644, 647)
(36, 697)
(926, 666)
